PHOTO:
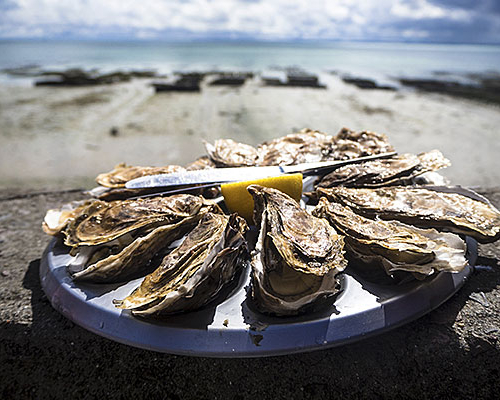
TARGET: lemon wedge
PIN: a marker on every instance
(240, 201)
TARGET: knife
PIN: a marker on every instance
(215, 176)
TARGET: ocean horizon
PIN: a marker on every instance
(377, 60)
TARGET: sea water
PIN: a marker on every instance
(364, 59)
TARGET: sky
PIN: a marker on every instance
(456, 21)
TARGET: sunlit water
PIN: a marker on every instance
(376, 60)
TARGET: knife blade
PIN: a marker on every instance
(225, 175)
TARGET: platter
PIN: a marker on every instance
(229, 326)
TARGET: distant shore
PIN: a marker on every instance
(54, 137)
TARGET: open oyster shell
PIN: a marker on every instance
(296, 258)
(122, 173)
(423, 207)
(116, 240)
(102, 221)
(394, 245)
(191, 275)
(57, 219)
(397, 170)
(126, 256)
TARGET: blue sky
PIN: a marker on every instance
(461, 21)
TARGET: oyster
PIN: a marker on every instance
(127, 255)
(351, 144)
(228, 153)
(102, 221)
(398, 170)
(122, 173)
(56, 220)
(297, 256)
(304, 146)
(195, 272)
(394, 245)
(114, 241)
(203, 162)
(423, 207)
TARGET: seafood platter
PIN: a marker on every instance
(374, 242)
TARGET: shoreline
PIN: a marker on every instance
(63, 137)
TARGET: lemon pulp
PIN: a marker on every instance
(240, 201)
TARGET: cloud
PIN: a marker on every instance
(253, 19)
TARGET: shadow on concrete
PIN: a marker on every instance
(429, 358)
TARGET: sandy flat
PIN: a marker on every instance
(60, 137)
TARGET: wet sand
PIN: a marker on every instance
(61, 137)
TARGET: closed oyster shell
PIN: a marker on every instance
(195, 272)
(350, 144)
(297, 256)
(203, 162)
(394, 245)
(423, 207)
(122, 173)
(228, 153)
(304, 146)
(102, 222)
(398, 170)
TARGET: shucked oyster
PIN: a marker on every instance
(102, 222)
(194, 273)
(56, 220)
(127, 255)
(297, 255)
(423, 207)
(397, 170)
(394, 245)
(122, 173)
(114, 241)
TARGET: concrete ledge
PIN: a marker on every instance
(451, 352)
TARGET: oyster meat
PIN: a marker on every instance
(421, 206)
(56, 220)
(122, 173)
(297, 256)
(114, 241)
(394, 245)
(397, 170)
(102, 221)
(193, 274)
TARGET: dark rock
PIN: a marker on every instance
(229, 80)
(363, 83)
(295, 79)
(486, 89)
(79, 77)
(186, 83)
(114, 131)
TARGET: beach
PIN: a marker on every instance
(54, 142)
(62, 137)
